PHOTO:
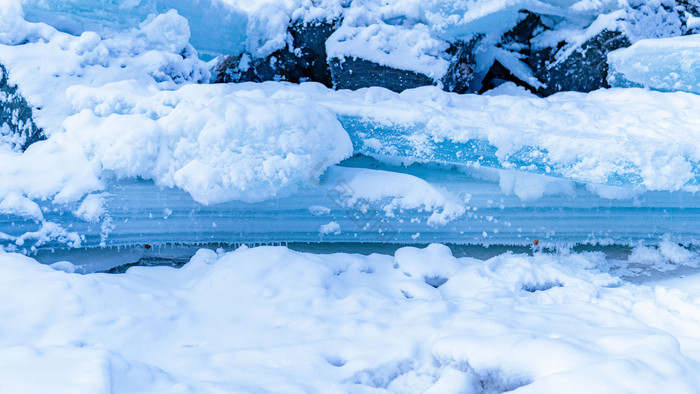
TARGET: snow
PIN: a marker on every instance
(269, 319)
(92, 208)
(115, 105)
(319, 210)
(408, 49)
(405, 34)
(128, 105)
(524, 132)
(142, 153)
(353, 187)
(154, 56)
(217, 146)
(329, 228)
(668, 64)
(217, 27)
(533, 186)
(125, 104)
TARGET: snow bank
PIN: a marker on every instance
(156, 55)
(404, 34)
(127, 104)
(269, 319)
(116, 104)
(218, 26)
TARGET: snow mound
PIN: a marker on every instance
(356, 187)
(393, 46)
(156, 54)
(216, 144)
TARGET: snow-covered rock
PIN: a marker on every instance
(583, 70)
(304, 59)
(397, 44)
(17, 127)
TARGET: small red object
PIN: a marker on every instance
(536, 242)
(147, 246)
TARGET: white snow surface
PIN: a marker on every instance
(216, 145)
(410, 49)
(270, 319)
(394, 191)
(217, 27)
(668, 64)
(120, 104)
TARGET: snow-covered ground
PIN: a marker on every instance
(141, 151)
(269, 319)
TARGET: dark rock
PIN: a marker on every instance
(460, 75)
(281, 65)
(521, 35)
(310, 39)
(692, 6)
(17, 127)
(499, 75)
(685, 8)
(305, 61)
(356, 73)
(584, 70)
(516, 40)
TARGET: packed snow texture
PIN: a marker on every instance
(669, 64)
(269, 319)
(215, 145)
(116, 104)
(403, 192)
(393, 46)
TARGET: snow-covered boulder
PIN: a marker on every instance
(304, 59)
(585, 69)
